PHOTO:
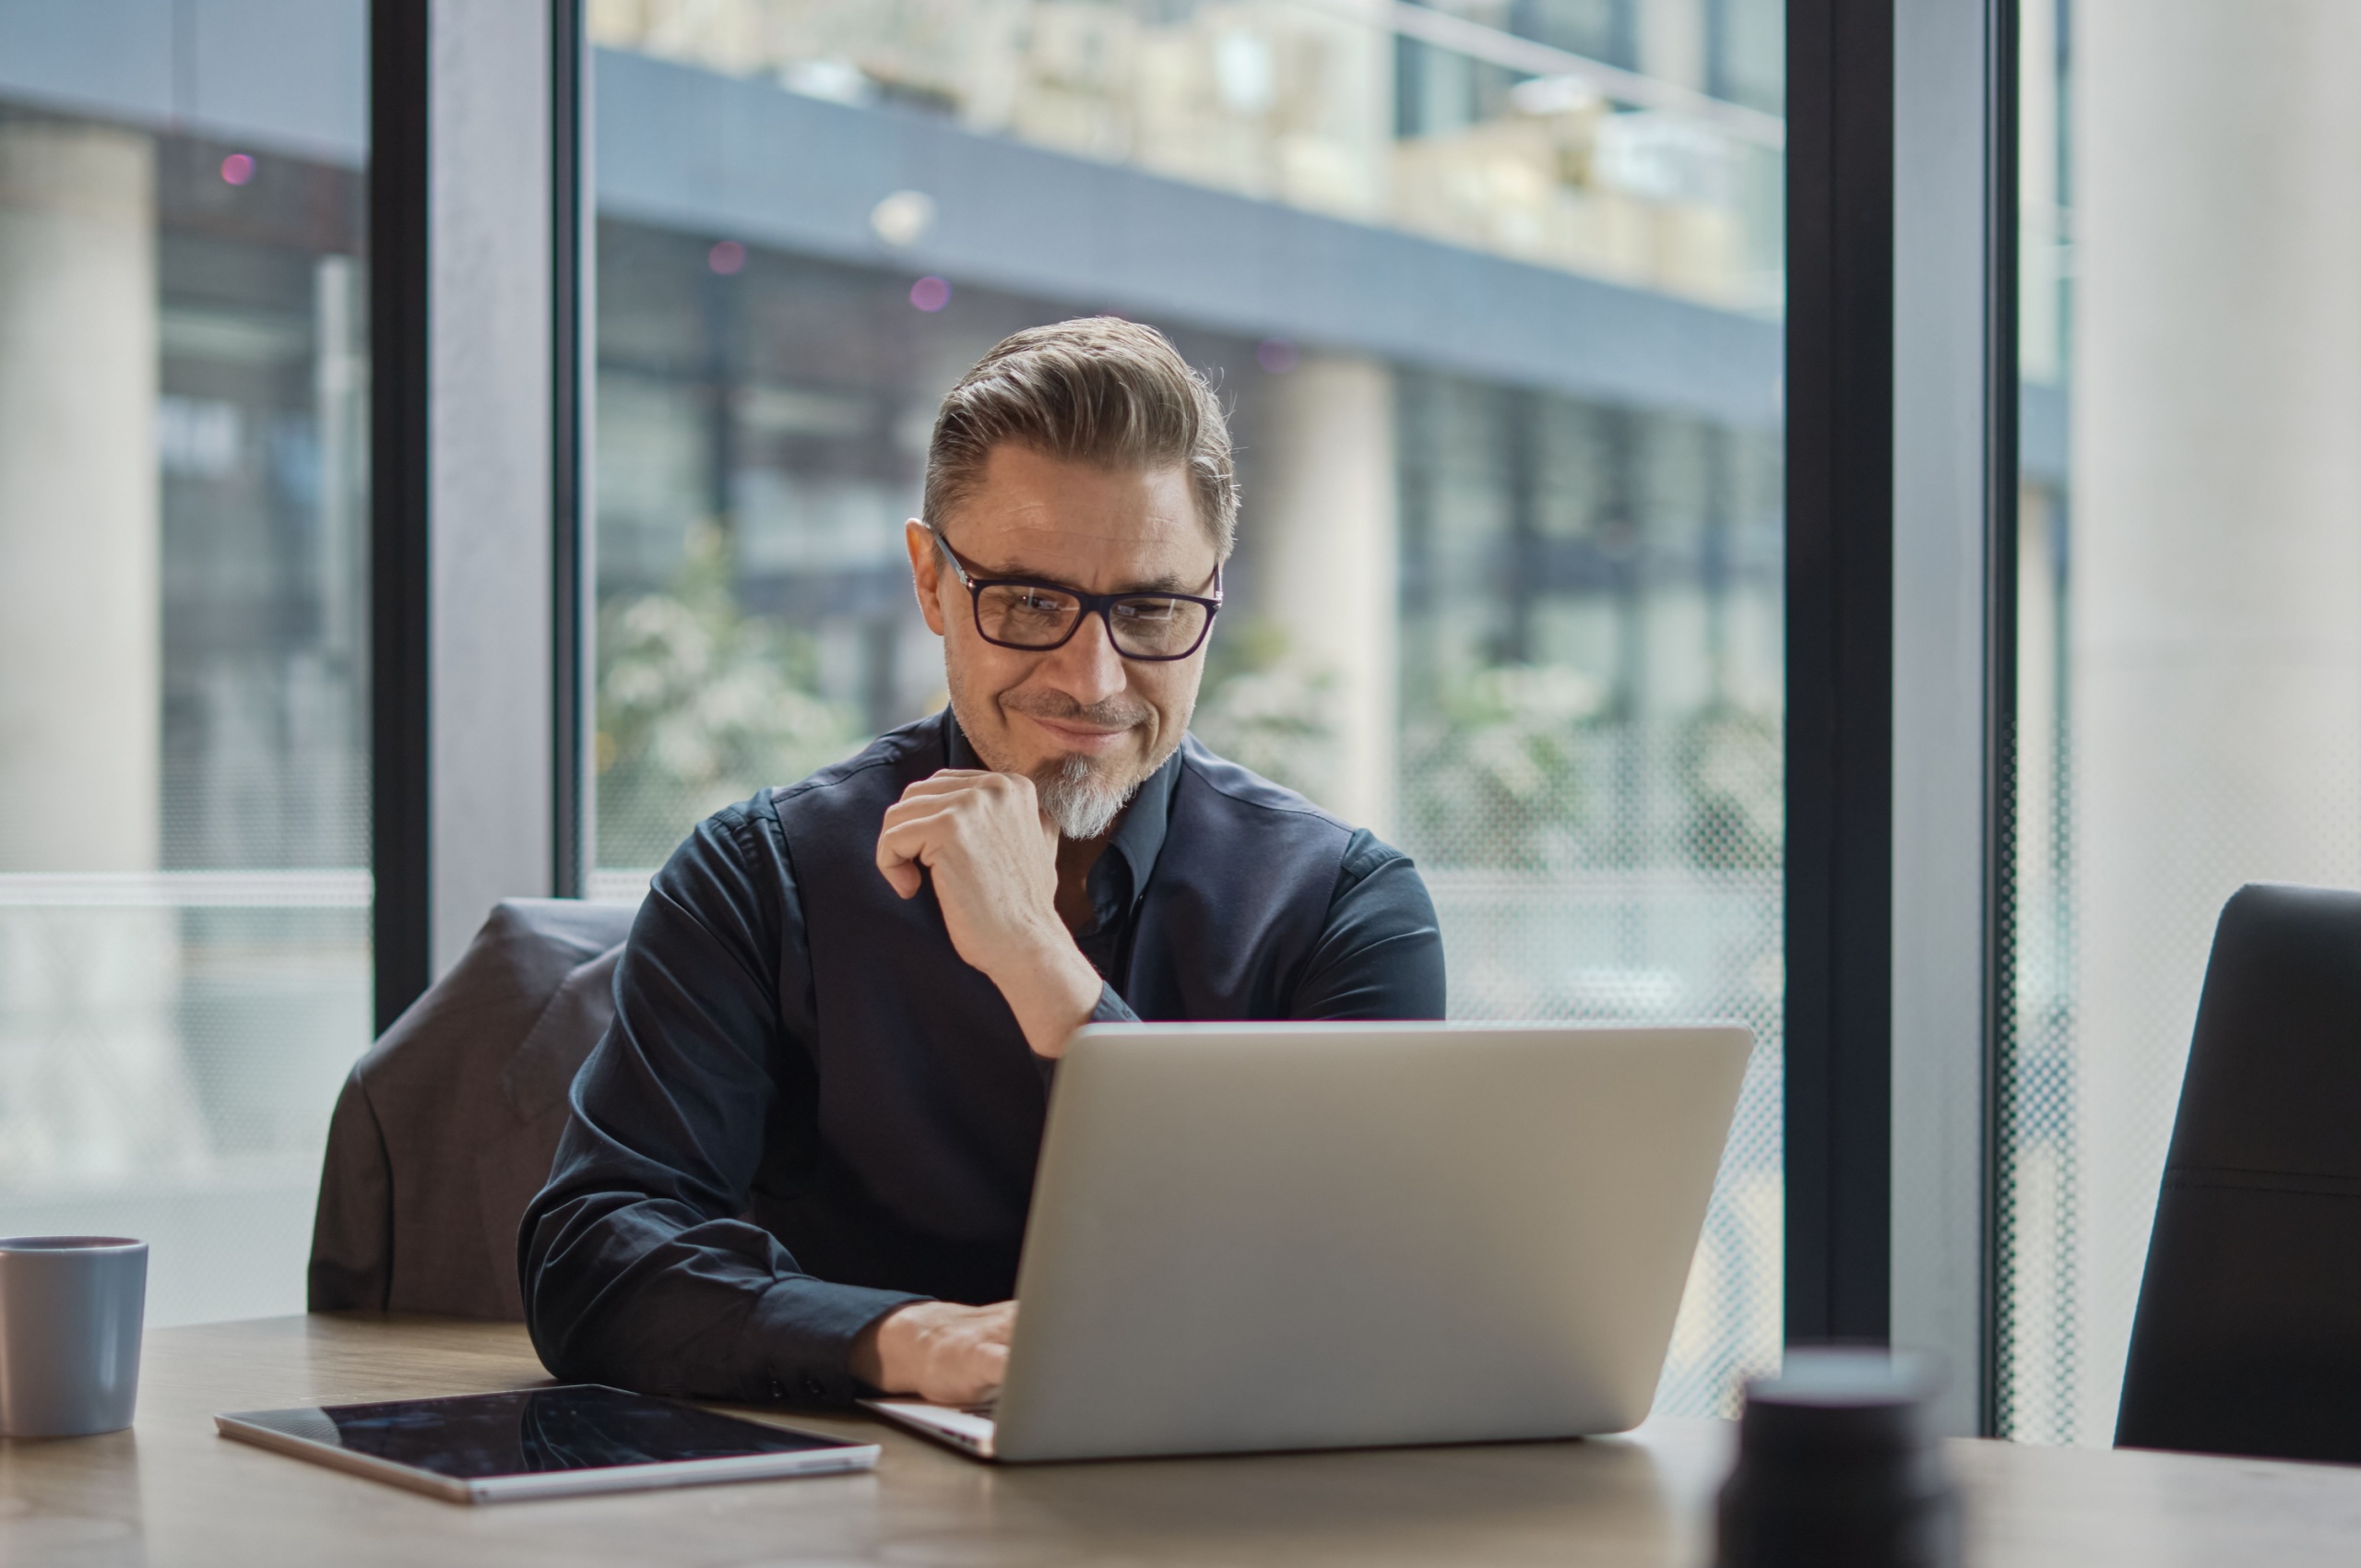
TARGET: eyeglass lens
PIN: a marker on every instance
(1143, 626)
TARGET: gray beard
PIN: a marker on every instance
(1076, 797)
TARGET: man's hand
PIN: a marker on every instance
(944, 1353)
(994, 860)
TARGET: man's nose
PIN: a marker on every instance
(1087, 668)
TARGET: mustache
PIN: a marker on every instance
(1115, 713)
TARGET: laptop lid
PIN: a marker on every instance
(1323, 1235)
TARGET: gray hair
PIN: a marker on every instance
(1098, 389)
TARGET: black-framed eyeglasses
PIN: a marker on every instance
(1035, 616)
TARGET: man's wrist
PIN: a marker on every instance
(1052, 992)
(867, 1359)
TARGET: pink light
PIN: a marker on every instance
(1277, 355)
(930, 295)
(237, 168)
(726, 258)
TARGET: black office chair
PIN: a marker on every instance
(2249, 1334)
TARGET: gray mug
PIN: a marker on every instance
(70, 1309)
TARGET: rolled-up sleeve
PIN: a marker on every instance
(637, 1267)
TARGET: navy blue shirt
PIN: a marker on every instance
(810, 1110)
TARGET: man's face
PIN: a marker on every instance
(1081, 717)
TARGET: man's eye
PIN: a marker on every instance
(1148, 611)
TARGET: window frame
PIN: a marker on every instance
(476, 459)
(1900, 436)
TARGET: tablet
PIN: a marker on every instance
(543, 1442)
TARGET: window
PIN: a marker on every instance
(184, 897)
(2189, 605)
(1492, 289)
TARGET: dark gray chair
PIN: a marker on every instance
(2247, 1338)
(446, 1126)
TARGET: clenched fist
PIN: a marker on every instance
(993, 859)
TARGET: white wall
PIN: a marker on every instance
(2216, 576)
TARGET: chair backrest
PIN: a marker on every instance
(446, 1126)
(2247, 1338)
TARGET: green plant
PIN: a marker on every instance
(700, 705)
(1493, 773)
(1266, 707)
(1732, 763)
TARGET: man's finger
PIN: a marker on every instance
(904, 846)
(904, 871)
(910, 806)
(968, 782)
(948, 782)
(916, 834)
(986, 1369)
(904, 877)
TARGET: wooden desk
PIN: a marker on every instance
(169, 1491)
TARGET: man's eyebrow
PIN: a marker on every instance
(1167, 582)
(1021, 573)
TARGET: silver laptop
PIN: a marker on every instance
(1272, 1236)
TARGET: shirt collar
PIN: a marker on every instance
(1138, 839)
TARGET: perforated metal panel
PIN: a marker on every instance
(1658, 938)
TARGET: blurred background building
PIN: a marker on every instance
(1492, 292)
(1492, 288)
(184, 927)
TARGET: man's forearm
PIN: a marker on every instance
(1053, 993)
(623, 1292)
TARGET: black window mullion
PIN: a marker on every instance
(570, 549)
(400, 848)
(1839, 652)
(2000, 486)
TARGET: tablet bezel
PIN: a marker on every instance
(839, 1456)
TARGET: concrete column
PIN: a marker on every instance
(1329, 559)
(2040, 301)
(92, 1089)
(79, 615)
(1672, 41)
(2216, 576)
(490, 489)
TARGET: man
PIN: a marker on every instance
(799, 1162)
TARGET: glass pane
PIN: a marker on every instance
(185, 898)
(1492, 290)
(2190, 691)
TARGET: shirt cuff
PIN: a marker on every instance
(1111, 1009)
(803, 1331)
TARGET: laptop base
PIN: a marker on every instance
(969, 1429)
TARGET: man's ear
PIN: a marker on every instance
(926, 573)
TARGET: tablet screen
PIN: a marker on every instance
(534, 1432)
